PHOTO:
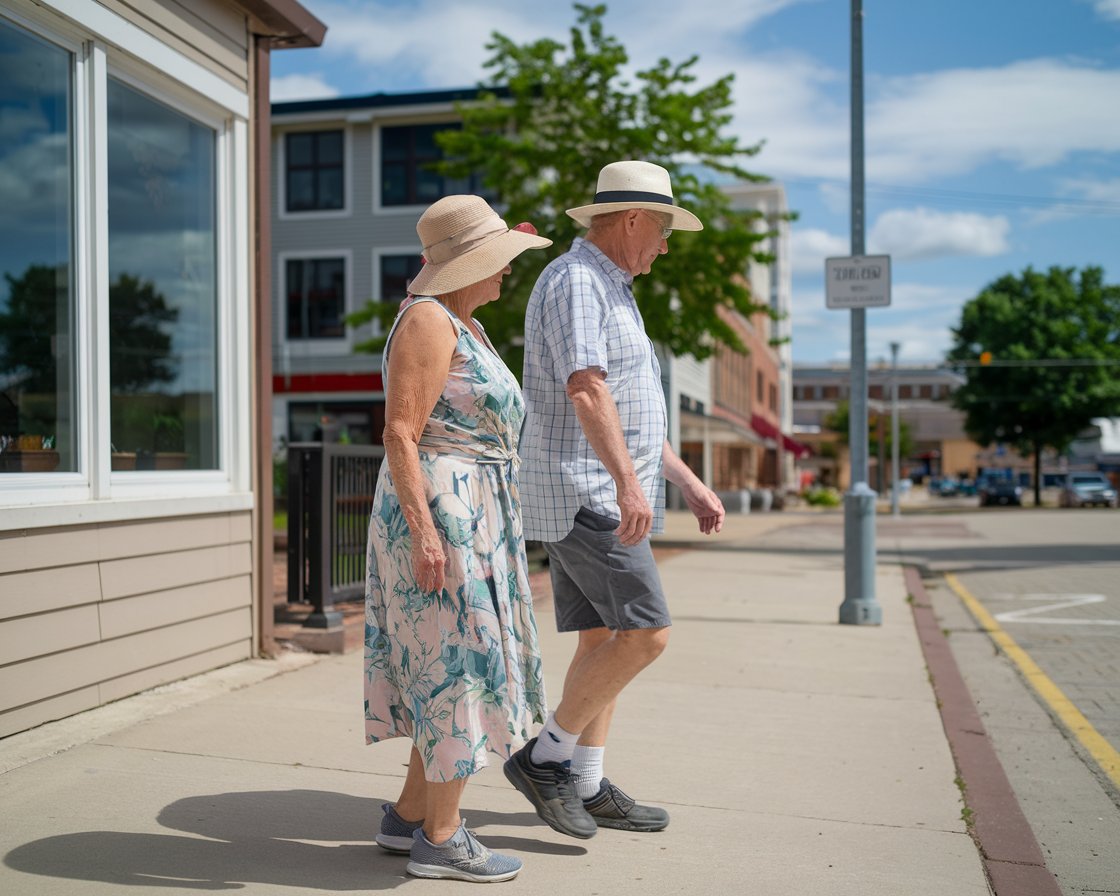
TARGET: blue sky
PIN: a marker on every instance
(992, 126)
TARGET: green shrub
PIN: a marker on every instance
(822, 497)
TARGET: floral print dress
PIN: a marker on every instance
(458, 671)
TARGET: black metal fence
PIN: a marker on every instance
(330, 496)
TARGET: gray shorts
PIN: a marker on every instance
(599, 582)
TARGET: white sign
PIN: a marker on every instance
(858, 281)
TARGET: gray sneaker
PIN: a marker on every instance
(396, 833)
(460, 858)
(611, 808)
(552, 791)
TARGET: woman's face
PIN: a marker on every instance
(479, 294)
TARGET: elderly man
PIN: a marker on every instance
(594, 454)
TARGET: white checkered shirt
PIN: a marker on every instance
(582, 315)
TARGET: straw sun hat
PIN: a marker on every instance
(632, 184)
(465, 242)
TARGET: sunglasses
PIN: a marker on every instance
(666, 232)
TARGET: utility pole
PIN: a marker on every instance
(860, 606)
(895, 511)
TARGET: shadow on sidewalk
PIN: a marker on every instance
(295, 838)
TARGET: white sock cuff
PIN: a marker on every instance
(554, 744)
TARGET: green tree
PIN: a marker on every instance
(550, 116)
(838, 422)
(1054, 340)
(140, 355)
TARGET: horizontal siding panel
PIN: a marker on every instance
(222, 51)
(149, 649)
(161, 572)
(15, 720)
(133, 539)
(48, 676)
(44, 548)
(31, 636)
(44, 590)
(135, 614)
(134, 683)
(240, 527)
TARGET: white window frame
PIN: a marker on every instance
(281, 180)
(313, 348)
(104, 45)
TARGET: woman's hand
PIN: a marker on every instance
(428, 559)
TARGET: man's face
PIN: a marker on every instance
(645, 240)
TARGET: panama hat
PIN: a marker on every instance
(633, 184)
(465, 241)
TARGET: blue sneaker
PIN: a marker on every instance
(396, 833)
(460, 858)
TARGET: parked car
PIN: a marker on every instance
(1085, 489)
(999, 491)
(947, 487)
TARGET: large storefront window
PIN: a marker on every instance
(162, 285)
(37, 386)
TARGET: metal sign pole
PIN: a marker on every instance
(895, 510)
(860, 606)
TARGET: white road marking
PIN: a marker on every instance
(1057, 602)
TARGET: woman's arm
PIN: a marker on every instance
(419, 362)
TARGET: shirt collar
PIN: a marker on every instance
(612, 270)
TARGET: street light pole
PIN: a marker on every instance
(860, 606)
(895, 511)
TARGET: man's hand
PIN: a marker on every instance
(705, 506)
(637, 516)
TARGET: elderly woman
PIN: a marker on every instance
(451, 641)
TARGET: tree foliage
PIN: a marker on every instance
(551, 115)
(839, 422)
(1054, 340)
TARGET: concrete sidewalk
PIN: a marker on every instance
(796, 756)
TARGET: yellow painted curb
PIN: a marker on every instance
(1070, 716)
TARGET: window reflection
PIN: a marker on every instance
(37, 432)
(163, 286)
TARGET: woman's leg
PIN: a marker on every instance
(441, 816)
(412, 804)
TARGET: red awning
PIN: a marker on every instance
(768, 430)
(798, 449)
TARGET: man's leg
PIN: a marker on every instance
(596, 679)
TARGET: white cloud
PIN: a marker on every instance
(919, 319)
(1108, 9)
(811, 246)
(920, 233)
(1094, 190)
(1032, 114)
(300, 87)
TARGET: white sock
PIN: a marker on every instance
(554, 744)
(587, 768)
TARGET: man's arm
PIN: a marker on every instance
(598, 417)
(701, 500)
